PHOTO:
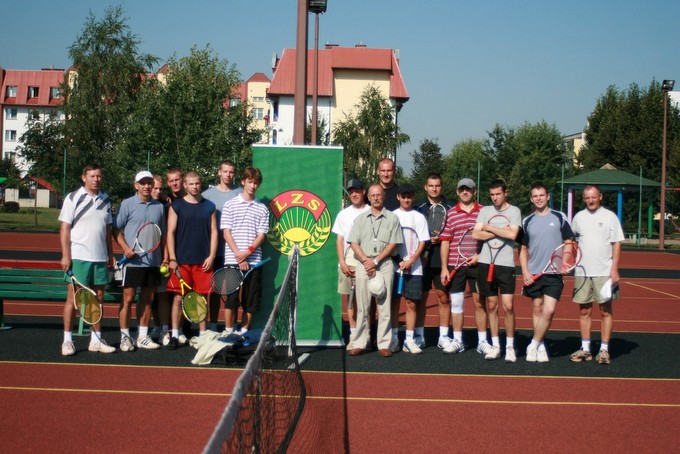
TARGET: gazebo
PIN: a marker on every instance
(609, 179)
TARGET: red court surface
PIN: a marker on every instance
(65, 407)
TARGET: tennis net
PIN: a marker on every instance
(269, 396)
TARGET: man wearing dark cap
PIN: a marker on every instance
(346, 261)
(409, 267)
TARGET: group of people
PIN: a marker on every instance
(387, 250)
(380, 263)
(192, 246)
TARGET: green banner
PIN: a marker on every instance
(302, 186)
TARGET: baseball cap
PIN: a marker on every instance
(405, 189)
(144, 174)
(467, 182)
(355, 183)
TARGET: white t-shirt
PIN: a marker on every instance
(595, 232)
(345, 219)
(418, 222)
(88, 217)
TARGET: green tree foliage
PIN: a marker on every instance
(323, 136)
(100, 97)
(43, 145)
(626, 130)
(467, 159)
(187, 121)
(368, 134)
(528, 154)
(9, 170)
(428, 159)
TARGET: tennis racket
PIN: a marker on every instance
(85, 301)
(407, 249)
(229, 279)
(436, 219)
(467, 248)
(147, 240)
(194, 305)
(564, 258)
(352, 264)
(496, 243)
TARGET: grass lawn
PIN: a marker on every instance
(26, 219)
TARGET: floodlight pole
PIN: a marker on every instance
(666, 86)
(300, 75)
(315, 93)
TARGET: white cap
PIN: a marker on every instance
(142, 175)
(376, 285)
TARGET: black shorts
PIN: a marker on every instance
(141, 276)
(549, 285)
(503, 280)
(249, 295)
(413, 287)
(465, 274)
(432, 276)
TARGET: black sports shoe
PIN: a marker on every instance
(173, 344)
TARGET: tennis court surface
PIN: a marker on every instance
(157, 401)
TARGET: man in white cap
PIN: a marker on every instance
(346, 261)
(140, 270)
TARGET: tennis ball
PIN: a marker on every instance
(165, 271)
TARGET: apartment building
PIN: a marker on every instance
(26, 94)
(254, 92)
(343, 74)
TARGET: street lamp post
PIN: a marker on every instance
(666, 86)
(317, 7)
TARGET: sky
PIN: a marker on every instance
(467, 64)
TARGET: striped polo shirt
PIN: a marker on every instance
(245, 220)
(458, 221)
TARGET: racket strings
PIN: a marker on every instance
(226, 280)
(565, 259)
(195, 306)
(88, 304)
(149, 237)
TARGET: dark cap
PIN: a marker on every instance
(405, 189)
(467, 182)
(355, 183)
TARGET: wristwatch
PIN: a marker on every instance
(375, 260)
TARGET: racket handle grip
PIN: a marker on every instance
(121, 261)
(452, 274)
(537, 277)
(489, 275)
(400, 284)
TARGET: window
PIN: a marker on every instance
(34, 114)
(11, 91)
(258, 98)
(55, 92)
(10, 135)
(33, 92)
(234, 102)
(11, 114)
(258, 113)
(11, 155)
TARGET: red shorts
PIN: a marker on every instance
(194, 276)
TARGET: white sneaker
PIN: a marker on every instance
(182, 339)
(147, 343)
(410, 346)
(127, 344)
(495, 353)
(455, 347)
(542, 355)
(532, 354)
(444, 342)
(510, 355)
(68, 348)
(100, 346)
(484, 347)
(164, 338)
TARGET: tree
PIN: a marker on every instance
(9, 170)
(428, 159)
(626, 130)
(323, 136)
(187, 121)
(43, 145)
(467, 159)
(529, 154)
(100, 98)
(368, 135)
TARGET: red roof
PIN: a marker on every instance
(336, 57)
(43, 79)
(258, 77)
(41, 182)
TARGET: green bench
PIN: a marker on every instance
(18, 284)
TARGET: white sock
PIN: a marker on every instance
(535, 343)
(409, 334)
(585, 345)
(124, 332)
(458, 336)
(68, 336)
(481, 337)
(175, 333)
(496, 341)
(509, 342)
(95, 336)
(604, 346)
(143, 331)
(351, 330)
(443, 331)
